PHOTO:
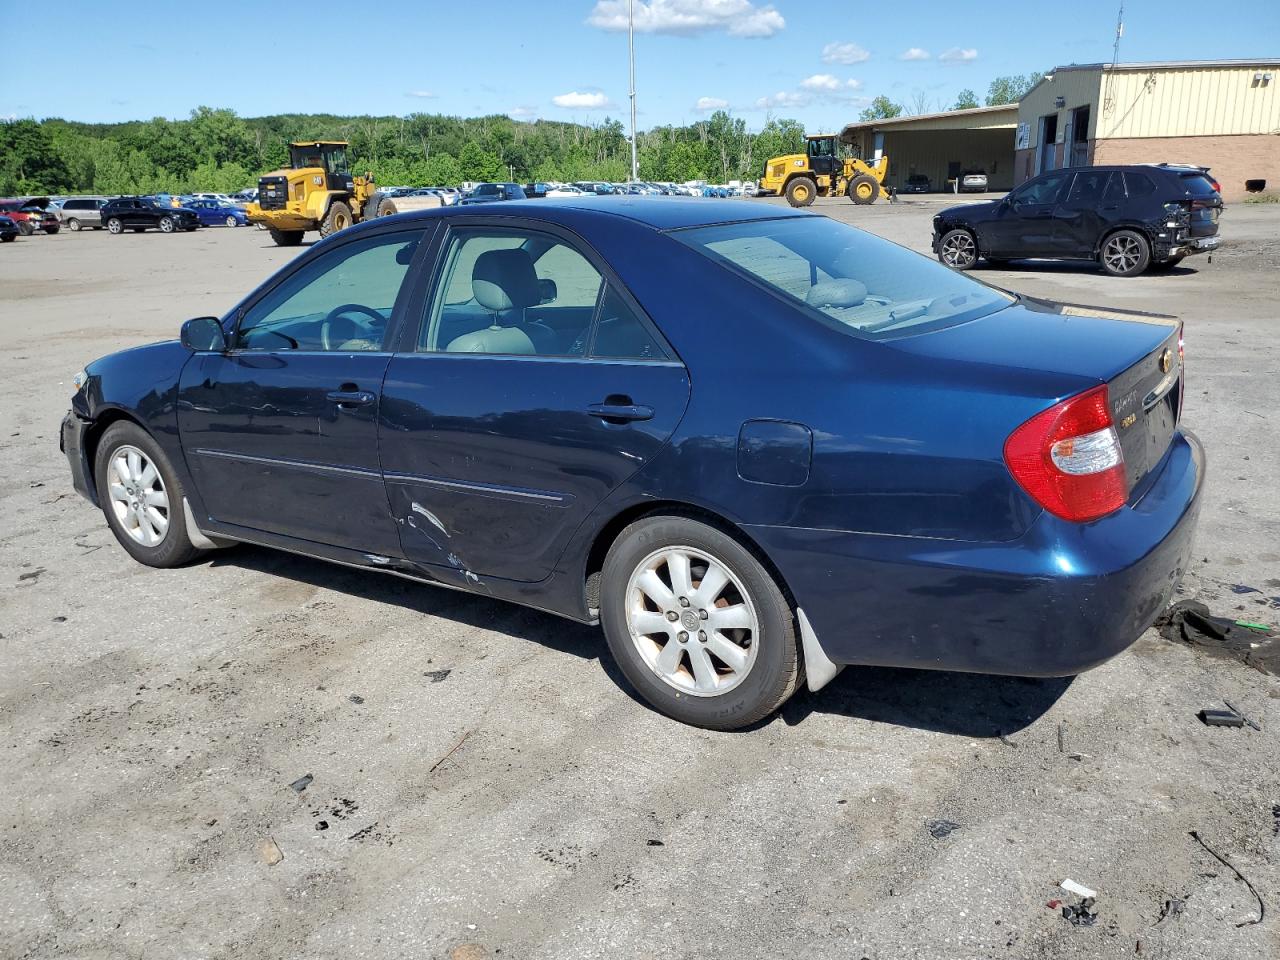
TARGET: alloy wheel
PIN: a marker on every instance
(692, 621)
(138, 497)
(230, 221)
(958, 250)
(166, 224)
(1122, 253)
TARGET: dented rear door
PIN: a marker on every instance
(491, 462)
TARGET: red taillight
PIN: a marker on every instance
(1068, 458)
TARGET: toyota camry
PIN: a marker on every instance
(754, 444)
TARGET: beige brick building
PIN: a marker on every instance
(1221, 114)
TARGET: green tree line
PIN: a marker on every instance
(216, 150)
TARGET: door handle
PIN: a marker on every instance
(351, 398)
(620, 412)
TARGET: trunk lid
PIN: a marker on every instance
(1126, 350)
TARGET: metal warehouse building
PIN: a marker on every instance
(941, 145)
(1222, 114)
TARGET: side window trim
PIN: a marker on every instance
(395, 323)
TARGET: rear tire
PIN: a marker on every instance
(285, 238)
(721, 678)
(801, 191)
(864, 189)
(378, 206)
(142, 497)
(25, 228)
(958, 249)
(338, 218)
(1125, 253)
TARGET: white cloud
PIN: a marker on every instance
(958, 55)
(914, 53)
(522, 113)
(707, 104)
(582, 101)
(782, 98)
(739, 18)
(845, 53)
(826, 83)
(424, 94)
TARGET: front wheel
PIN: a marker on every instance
(1126, 253)
(142, 497)
(167, 225)
(231, 222)
(115, 226)
(73, 225)
(958, 249)
(697, 624)
(338, 218)
(864, 189)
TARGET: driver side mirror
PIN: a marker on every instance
(204, 335)
(547, 291)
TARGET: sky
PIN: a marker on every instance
(567, 59)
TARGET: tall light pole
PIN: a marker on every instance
(631, 56)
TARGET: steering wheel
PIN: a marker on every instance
(363, 326)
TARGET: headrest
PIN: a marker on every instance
(505, 280)
(836, 293)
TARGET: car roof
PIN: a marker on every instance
(659, 213)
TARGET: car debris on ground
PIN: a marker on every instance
(1189, 621)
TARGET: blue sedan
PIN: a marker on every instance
(213, 213)
(755, 445)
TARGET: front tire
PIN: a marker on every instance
(167, 225)
(864, 189)
(801, 191)
(1126, 253)
(142, 497)
(697, 624)
(285, 238)
(958, 249)
(338, 218)
(73, 225)
(231, 222)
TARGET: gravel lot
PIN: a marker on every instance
(524, 805)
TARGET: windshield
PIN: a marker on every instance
(856, 282)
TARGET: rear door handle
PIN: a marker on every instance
(351, 398)
(620, 412)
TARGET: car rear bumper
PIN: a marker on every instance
(71, 442)
(1062, 599)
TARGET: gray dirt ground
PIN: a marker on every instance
(152, 721)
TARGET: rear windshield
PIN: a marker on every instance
(855, 282)
(1198, 185)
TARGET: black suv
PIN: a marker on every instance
(1126, 218)
(142, 213)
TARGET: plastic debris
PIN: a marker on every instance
(269, 852)
(1220, 718)
(941, 828)
(1079, 889)
(1231, 706)
(356, 698)
(1262, 908)
(436, 676)
(1081, 914)
(301, 783)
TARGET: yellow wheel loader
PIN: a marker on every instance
(316, 193)
(820, 172)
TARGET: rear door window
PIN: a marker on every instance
(1087, 188)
